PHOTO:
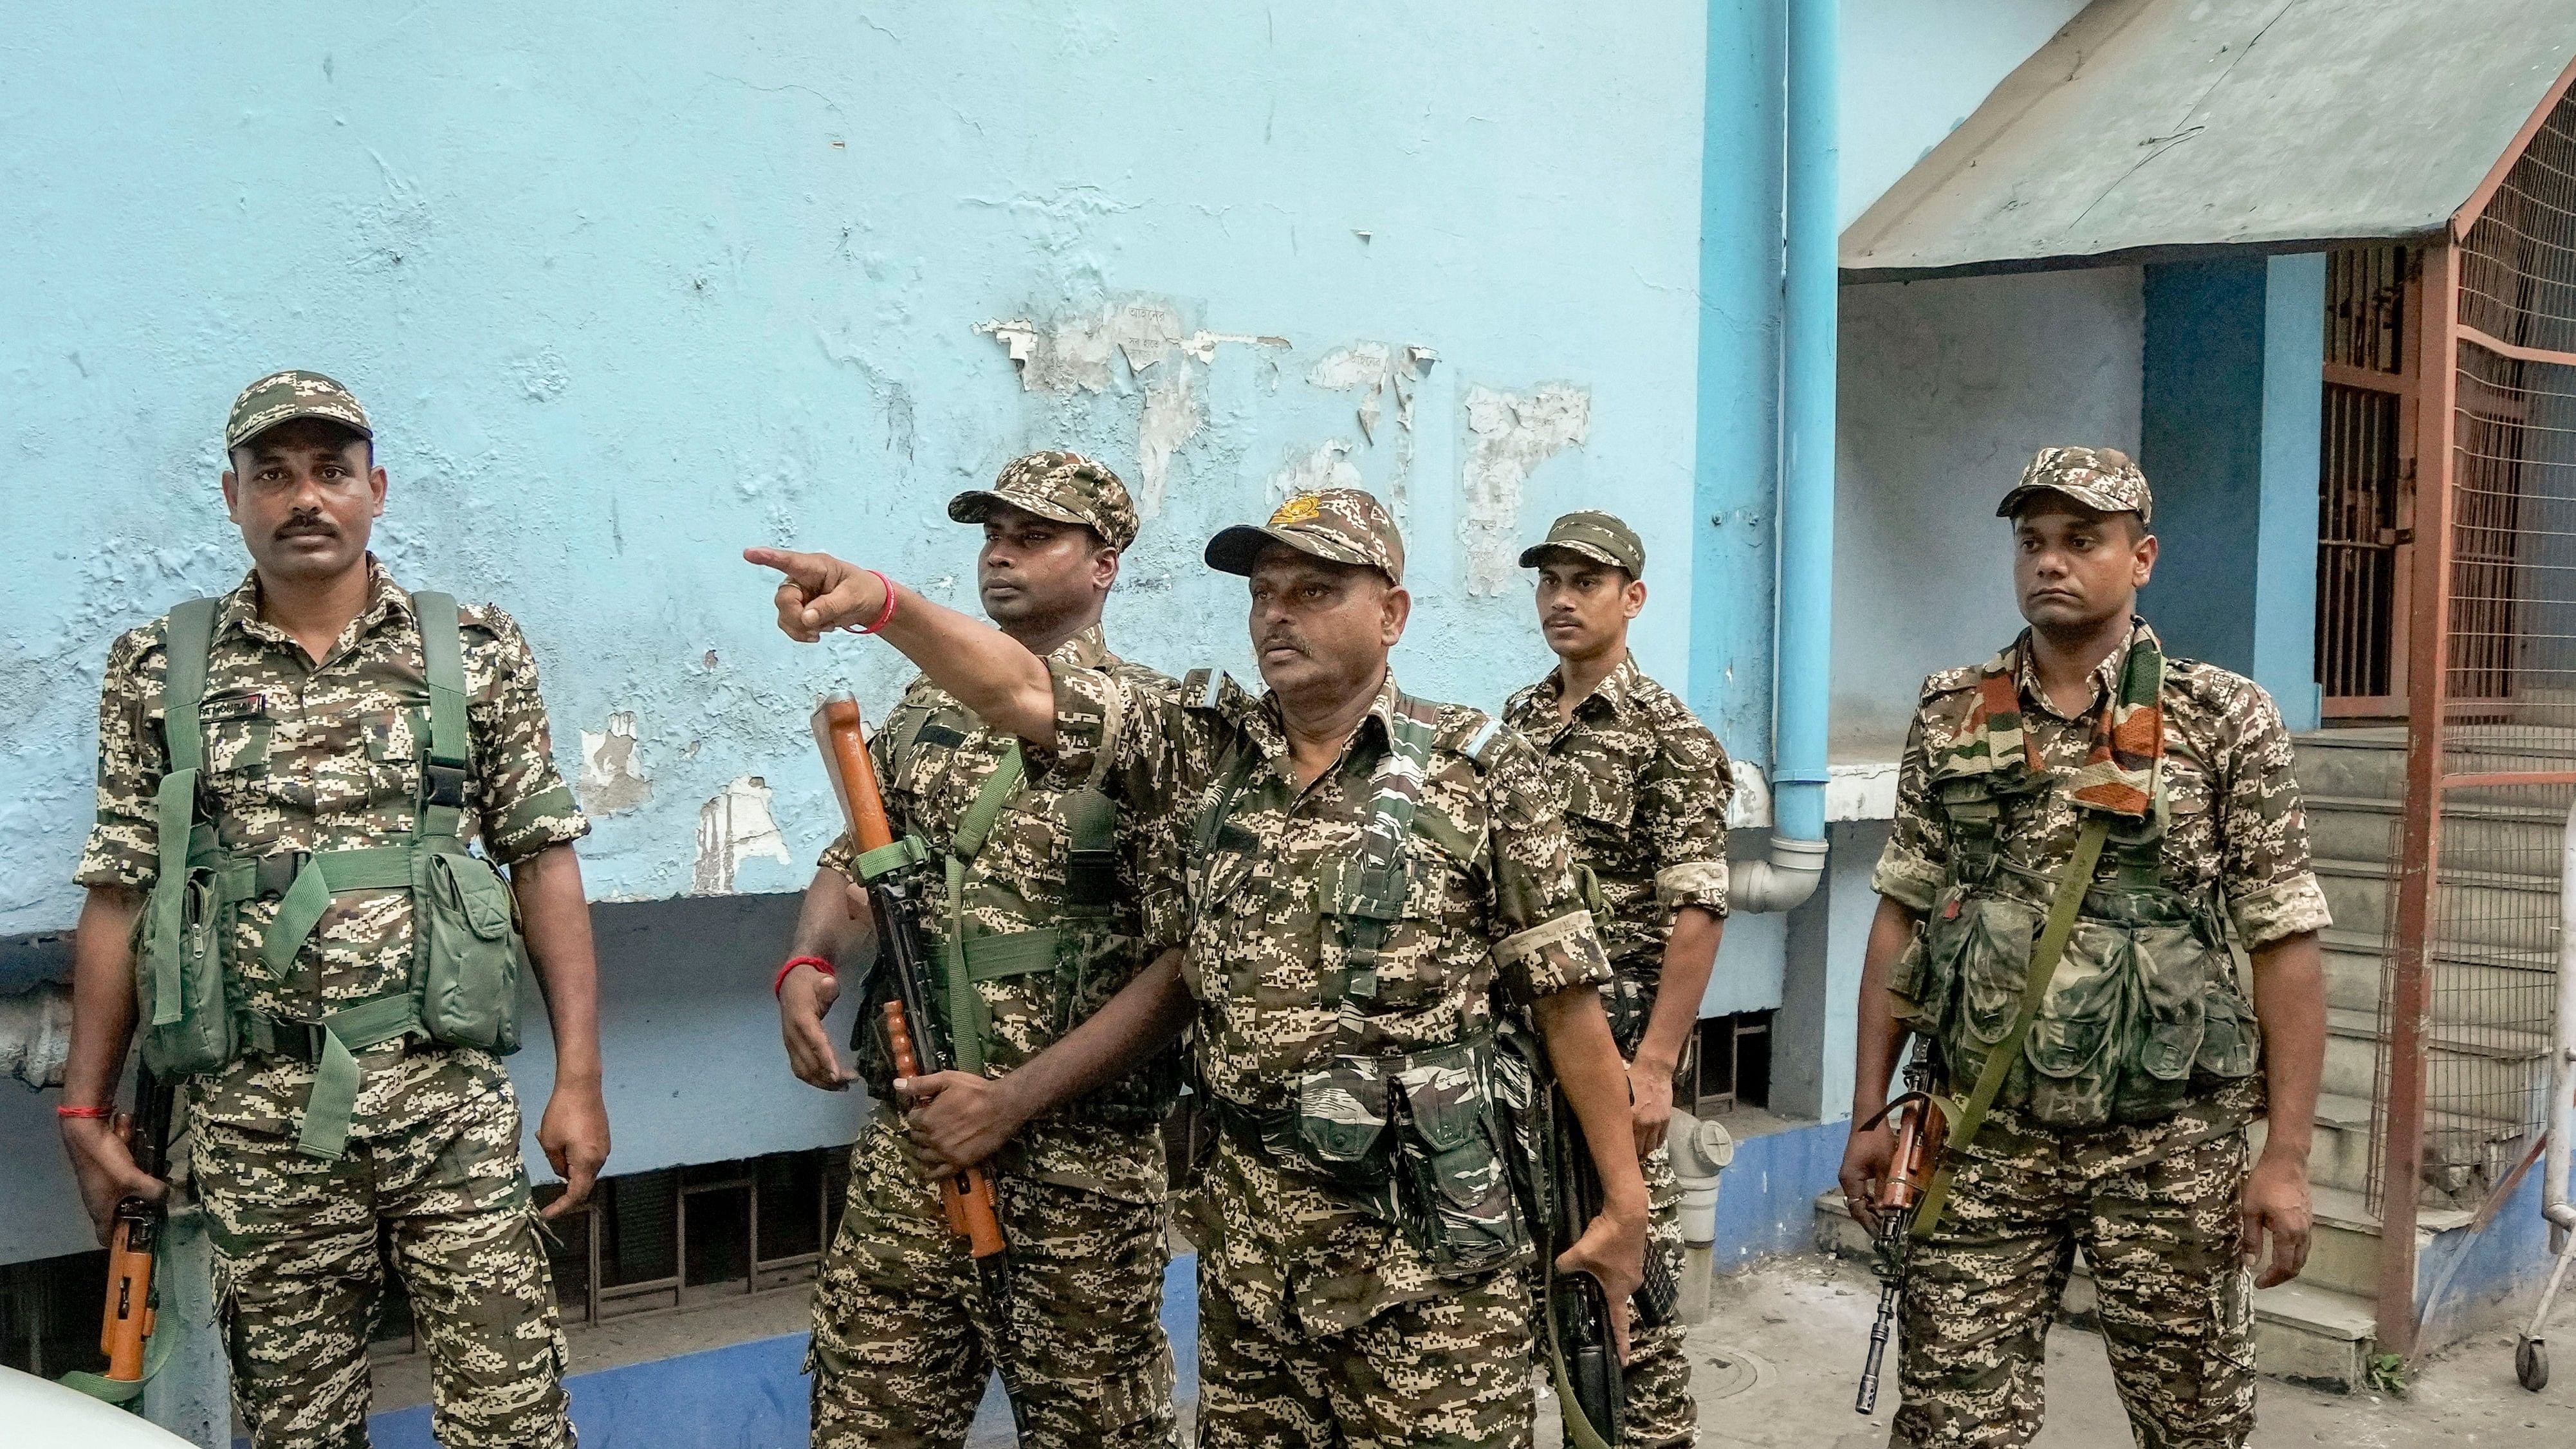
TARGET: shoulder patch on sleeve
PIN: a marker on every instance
(1201, 687)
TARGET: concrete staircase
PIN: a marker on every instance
(2500, 874)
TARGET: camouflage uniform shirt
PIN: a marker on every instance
(1492, 887)
(312, 757)
(1645, 788)
(2236, 828)
(1018, 880)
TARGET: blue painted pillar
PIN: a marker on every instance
(2229, 425)
(1736, 463)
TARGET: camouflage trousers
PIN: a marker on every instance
(1451, 1371)
(903, 1343)
(2155, 1210)
(298, 1275)
(1656, 1410)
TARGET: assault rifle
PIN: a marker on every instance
(127, 1323)
(1583, 1353)
(1919, 1135)
(912, 1033)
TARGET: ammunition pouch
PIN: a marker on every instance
(462, 987)
(1416, 1140)
(2140, 1004)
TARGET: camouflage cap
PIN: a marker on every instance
(1600, 537)
(1342, 525)
(2102, 478)
(1066, 487)
(284, 396)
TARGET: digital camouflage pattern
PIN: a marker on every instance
(1338, 525)
(903, 1342)
(313, 757)
(298, 1275)
(903, 1345)
(2155, 1210)
(2154, 1204)
(1107, 1142)
(294, 393)
(1451, 1370)
(1066, 487)
(1601, 537)
(1315, 1286)
(2235, 825)
(2099, 478)
(1645, 787)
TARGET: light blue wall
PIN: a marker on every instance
(2230, 416)
(629, 289)
(1914, 69)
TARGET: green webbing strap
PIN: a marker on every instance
(890, 857)
(175, 808)
(1578, 1425)
(345, 1033)
(185, 641)
(2062, 910)
(1011, 953)
(1373, 879)
(184, 648)
(333, 872)
(967, 1020)
(442, 659)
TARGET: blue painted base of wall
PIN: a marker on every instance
(2471, 1281)
(1766, 1202)
(753, 1395)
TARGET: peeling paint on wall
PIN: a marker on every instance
(1327, 465)
(1166, 361)
(734, 827)
(612, 772)
(1374, 370)
(1508, 436)
(1173, 416)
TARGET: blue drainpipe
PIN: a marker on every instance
(1803, 636)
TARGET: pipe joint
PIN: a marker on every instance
(1781, 883)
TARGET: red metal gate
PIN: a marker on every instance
(2489, 679)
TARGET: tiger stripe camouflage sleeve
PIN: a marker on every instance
(124, 840)
(2264, 871)
(1548, 942)
(1917, 858)
(518, 792)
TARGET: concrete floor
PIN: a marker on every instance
(1781, 1355)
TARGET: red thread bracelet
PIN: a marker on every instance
(90, 1112)
(884, 618)
(779, 983)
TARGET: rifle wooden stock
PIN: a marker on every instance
(126, 1323)
(967, 1197)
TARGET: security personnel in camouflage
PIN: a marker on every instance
(1645, 788)
(1368, 872)
(1058, 901)
(2148, 802)
(287, 779)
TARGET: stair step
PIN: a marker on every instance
(2303, 1331)
(2501, 1043)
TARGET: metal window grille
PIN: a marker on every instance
(2467, 1000)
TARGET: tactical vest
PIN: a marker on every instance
(462, 988)
(1066, 960)
(1413, 1138)
(2142, 998)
